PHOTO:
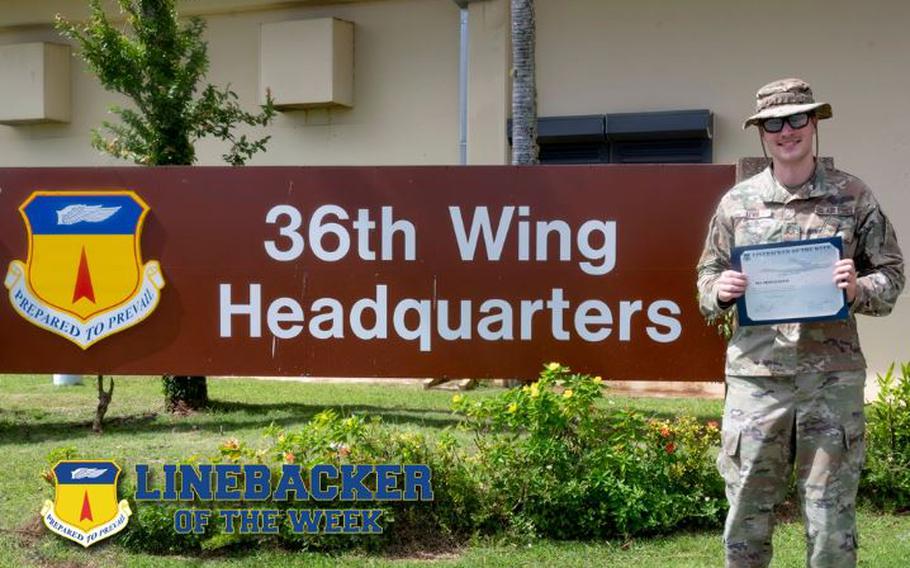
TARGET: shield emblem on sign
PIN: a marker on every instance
(84, 278)
(85, 507)
(84, 256)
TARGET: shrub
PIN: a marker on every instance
(547, 460)
(556, 465)
(151, 530)
(330, 439)
(886, 477)
(55, 455)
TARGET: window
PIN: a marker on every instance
(666, 137)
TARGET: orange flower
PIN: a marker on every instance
(713, 425)
(289, 457)
(670, 448)
(665, 432)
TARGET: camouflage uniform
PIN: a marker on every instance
(795, 391)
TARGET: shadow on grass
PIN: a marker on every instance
(31, 432)
(429, 417)
(219, 417)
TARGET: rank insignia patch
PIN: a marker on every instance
(85, 507)
(84, 278)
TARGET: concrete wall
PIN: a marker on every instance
(594, 56)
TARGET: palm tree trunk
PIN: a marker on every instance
(524, 87)
(524, 94)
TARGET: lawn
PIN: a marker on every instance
(36, 417)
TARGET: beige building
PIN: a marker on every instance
(383, 85)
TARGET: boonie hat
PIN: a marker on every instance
(785, 97)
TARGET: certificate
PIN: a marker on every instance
(790, 282)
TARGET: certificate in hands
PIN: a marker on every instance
(790, 282)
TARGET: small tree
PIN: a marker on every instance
(159, 65)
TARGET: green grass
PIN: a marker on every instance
(36, 417)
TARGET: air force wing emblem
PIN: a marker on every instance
(85, 507)
(84, 278)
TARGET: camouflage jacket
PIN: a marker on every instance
(760, 210)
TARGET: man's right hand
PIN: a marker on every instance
(730, 286)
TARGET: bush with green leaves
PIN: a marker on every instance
(886, 477)
(555, 464)
(550, 459)
(151, 530)
(331, 439)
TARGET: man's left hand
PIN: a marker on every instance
(845, 277)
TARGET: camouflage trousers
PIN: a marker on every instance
(811, 422)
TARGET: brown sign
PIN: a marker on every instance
(386, 271)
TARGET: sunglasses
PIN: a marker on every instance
(796, 121)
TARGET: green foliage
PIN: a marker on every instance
(886, 477)
(159, 65)
(546, 461)
(57, 454)
(61, 453)
(151, 529)
(36, 417)
(725, 323)
(553, 464)
(330, 439)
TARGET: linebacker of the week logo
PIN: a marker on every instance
(84, 278)
(85, 507)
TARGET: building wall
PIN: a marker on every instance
(405, 90)
(593, 56)
(24, 13)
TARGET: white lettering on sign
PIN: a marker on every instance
(672, 325)
(483, 234)
(330, 240)
(423, 321)
(595, 240)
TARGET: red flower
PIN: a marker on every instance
(670, 448)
